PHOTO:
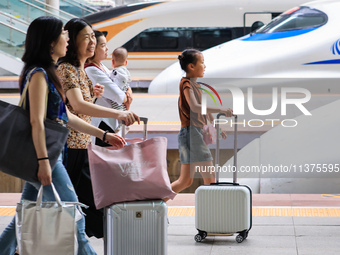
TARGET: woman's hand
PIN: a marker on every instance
(115, 140)
(98, 90)
(128, 117)
(45, 172)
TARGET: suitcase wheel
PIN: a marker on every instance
(200, 236)
(242, 236)
(239, 238)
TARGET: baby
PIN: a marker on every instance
(120, 74)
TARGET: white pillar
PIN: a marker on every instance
(54, 4)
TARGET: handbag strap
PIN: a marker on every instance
(56, 196)
(22, 102)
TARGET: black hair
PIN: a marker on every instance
(73, 26)
(98, 34)
(188, 56)
(41, 33)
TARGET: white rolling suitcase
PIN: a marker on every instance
(138, 228)
(223, 208)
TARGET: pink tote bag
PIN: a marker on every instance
(135, 172)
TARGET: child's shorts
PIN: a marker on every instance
(192, 148)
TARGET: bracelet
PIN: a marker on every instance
(43, 158)
(104, 136)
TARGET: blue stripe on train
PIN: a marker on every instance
(325, 62)
(276, 35)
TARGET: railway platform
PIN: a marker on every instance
(283, 224)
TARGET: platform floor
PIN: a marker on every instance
(283, 224)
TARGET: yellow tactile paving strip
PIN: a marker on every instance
(181, 211)
(7, 211)
(257, 212)
(297, 212)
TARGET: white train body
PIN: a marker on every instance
(311, 52)
(305, 56)
(129, 26)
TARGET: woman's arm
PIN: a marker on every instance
(80, 106)
(83, 126)
(111, 91)
(70, 80)
(37, 98)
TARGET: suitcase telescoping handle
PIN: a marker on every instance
(145, 122)
(217, 156)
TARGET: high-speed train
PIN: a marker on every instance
(303, 42)
(154, 33)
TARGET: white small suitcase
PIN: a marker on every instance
(223, 208)
(138, 228)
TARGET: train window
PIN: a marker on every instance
(299, 18)
(205, 39)
(175, 39)
(159, 40)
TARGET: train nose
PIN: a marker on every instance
(167, 82)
